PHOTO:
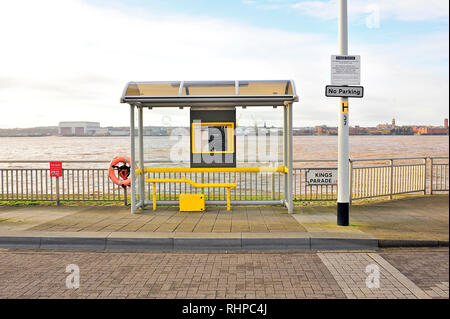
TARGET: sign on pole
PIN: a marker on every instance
(55, 169)
(345, 69)
(344, 91)
(321, 176)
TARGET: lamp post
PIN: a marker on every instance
(343, 128)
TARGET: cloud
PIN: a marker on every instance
(405, 10)
(267, 4)
(69, 60)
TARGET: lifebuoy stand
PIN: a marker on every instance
(123, 177)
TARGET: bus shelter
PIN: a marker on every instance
(212, 123)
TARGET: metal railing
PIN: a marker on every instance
(391, 176)
(89, 181)
(369, 178)
(439, 176)
(304, 192)
(76, 184)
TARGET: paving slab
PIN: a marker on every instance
(368, 275)
(411, 218)
(23, 218)
(119, 219)
(419, 221)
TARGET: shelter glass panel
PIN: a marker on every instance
(153, 89)
(265, 88)
(209, 88)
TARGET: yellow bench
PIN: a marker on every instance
(195, 184)
(280, 169)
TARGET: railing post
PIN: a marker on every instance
(272, 186)
(431, 176)
(154, 196)
(57, 191)
(133, 161)
(125, 196)
(203, 180)
(391, 190)
(228, 199)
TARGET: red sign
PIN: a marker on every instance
(55, 169)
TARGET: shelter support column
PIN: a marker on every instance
(141, 157)
(290, 158)
(285, 155)
(133, 161)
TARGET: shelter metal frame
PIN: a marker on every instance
(213, 94)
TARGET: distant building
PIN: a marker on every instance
(302, 131)
(430, 130)
(357, 130)
(78, 128)
(119, 131)
(102, 131)
(154, 131)
(325, 130)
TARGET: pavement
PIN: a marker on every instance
(409, 218)
(412, 273)
(418, 220)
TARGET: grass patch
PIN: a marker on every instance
(297, 203)
(25, 203)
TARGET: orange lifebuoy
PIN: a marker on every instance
(123, 177)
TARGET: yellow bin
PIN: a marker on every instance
(192, 202)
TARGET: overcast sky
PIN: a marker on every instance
(69, 60)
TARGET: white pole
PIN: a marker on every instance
(290, 158)
(141, 155)
(133, 161)
(343, 156)
(285, 155)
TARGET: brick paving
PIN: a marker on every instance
(166, 275)
(41, 274)
(427, 269)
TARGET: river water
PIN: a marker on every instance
(160, 147)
